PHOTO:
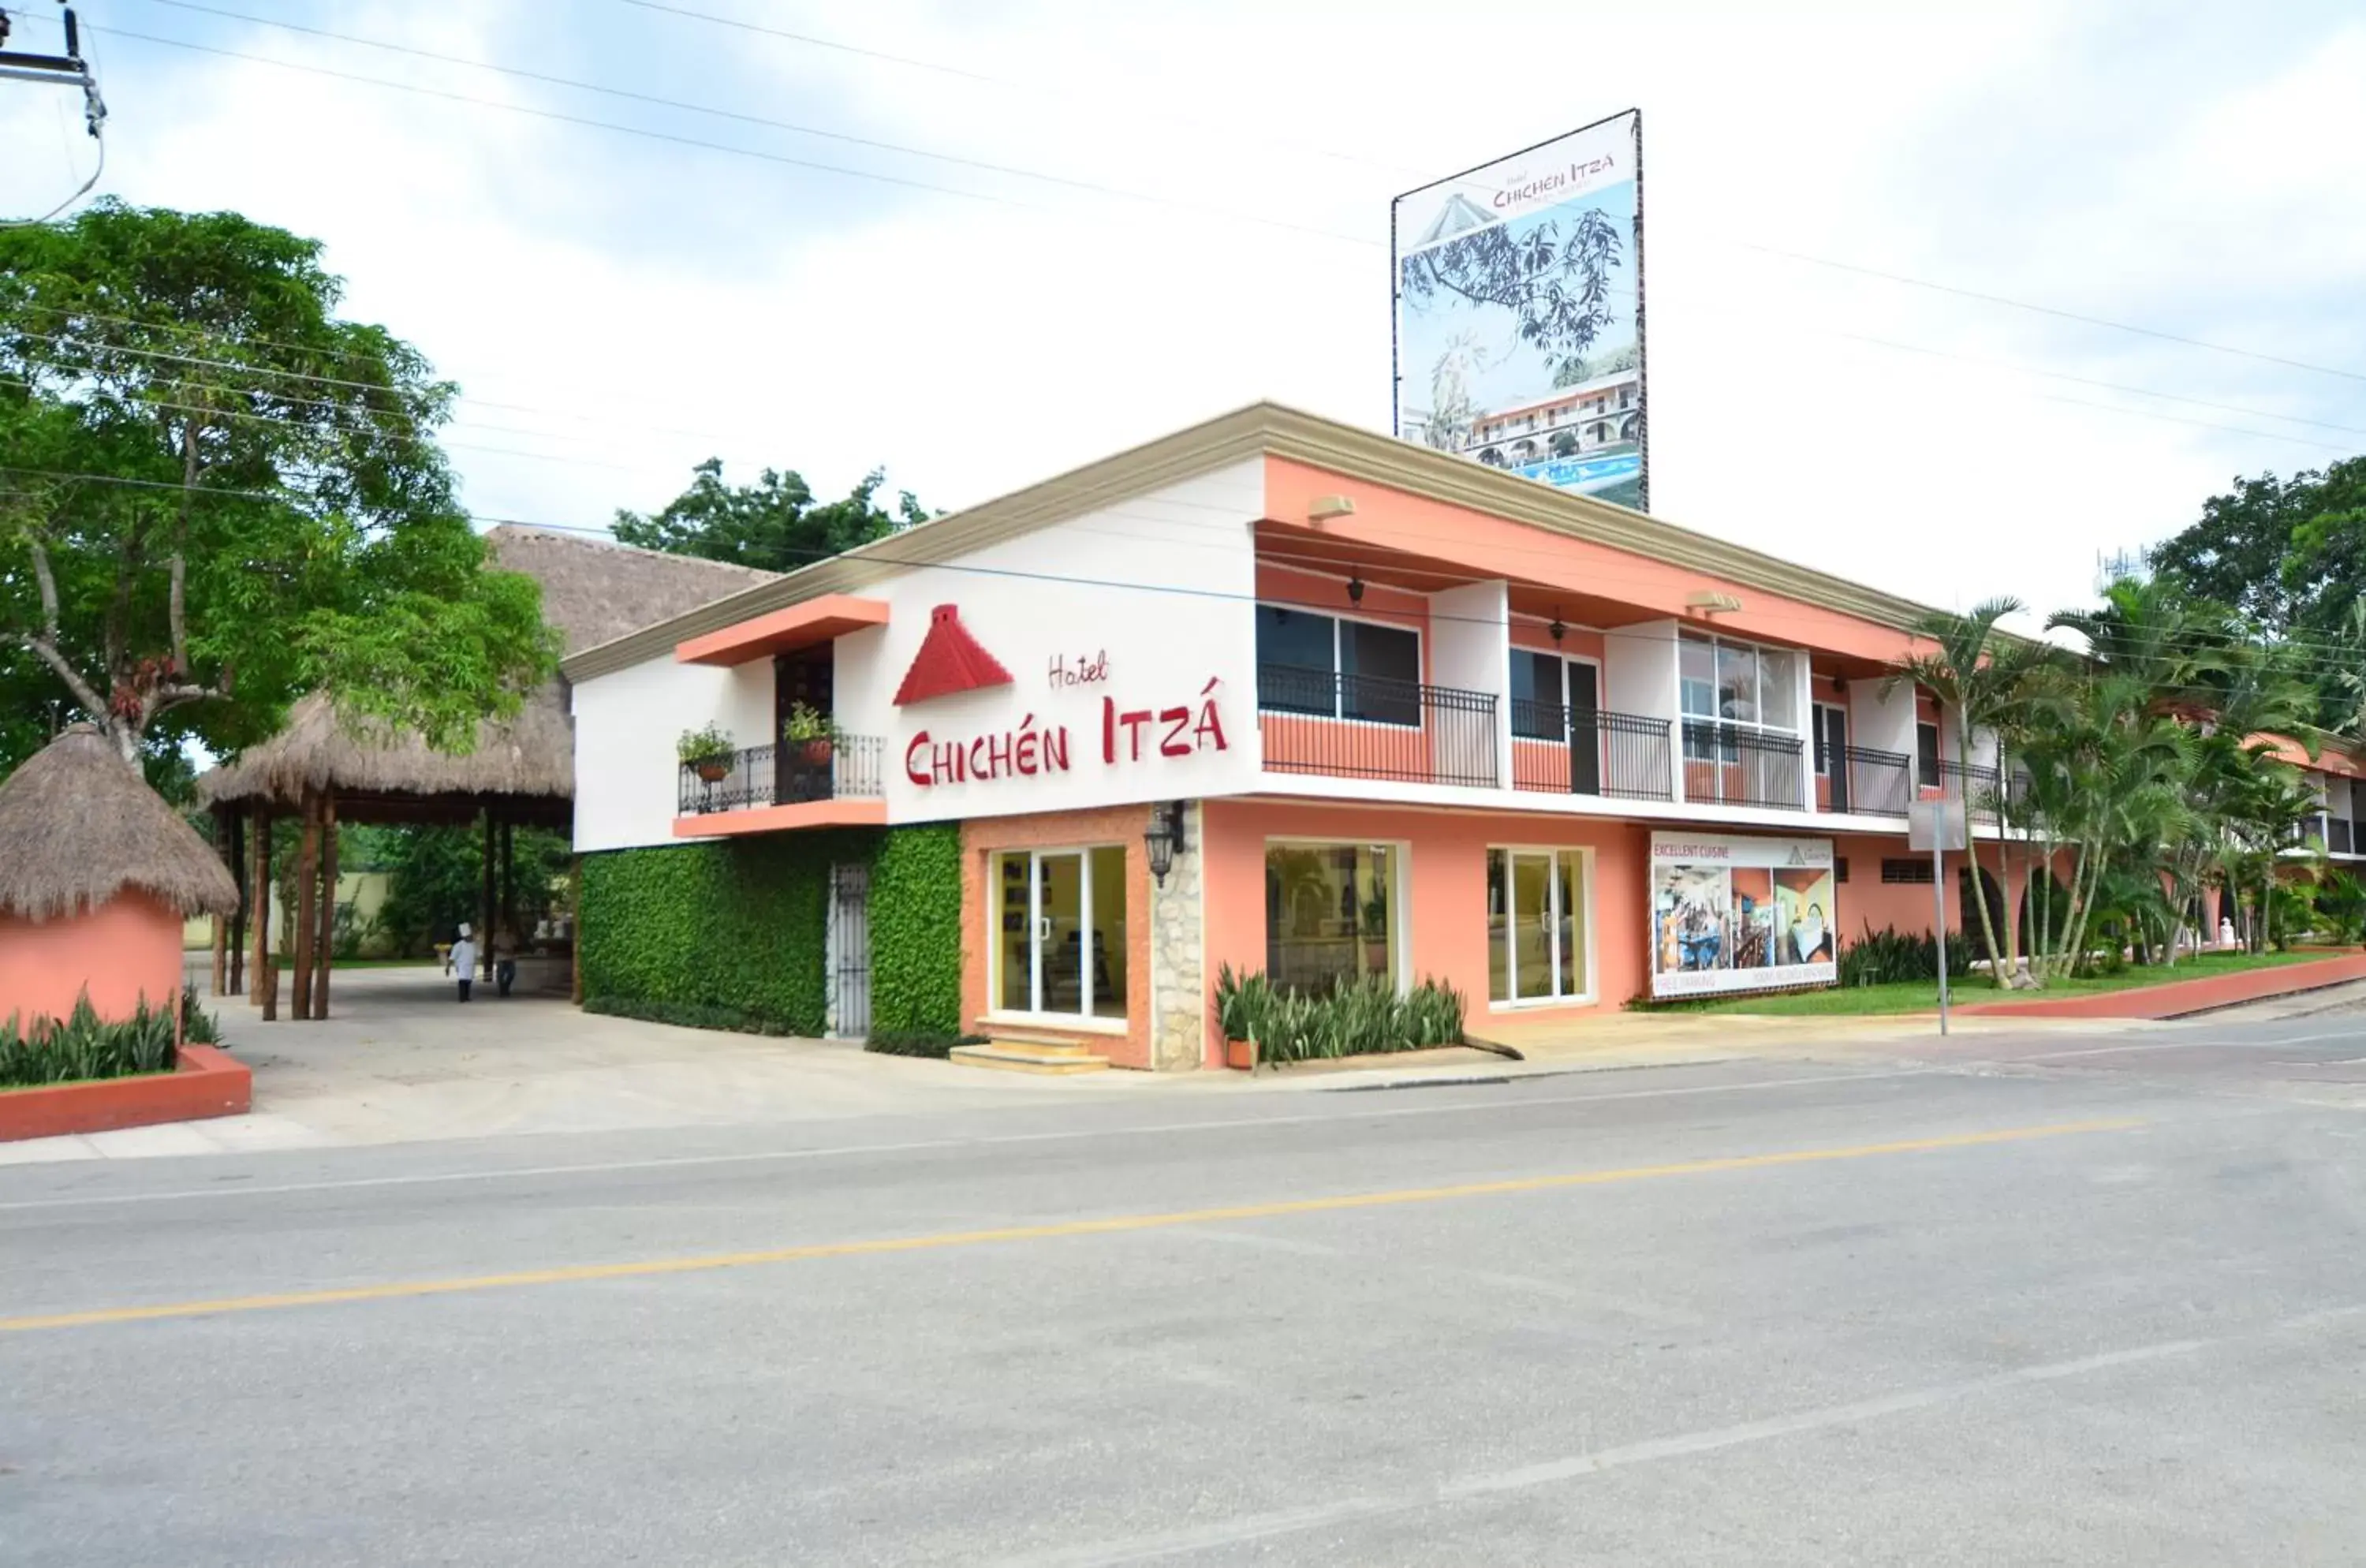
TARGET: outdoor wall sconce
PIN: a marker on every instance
(1354, 589)
(1163, 839)
(1709, 603)
(1326, 507)
(1559, 629)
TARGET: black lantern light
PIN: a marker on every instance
(1354, 589)
(1161, 839)
(1559, 629)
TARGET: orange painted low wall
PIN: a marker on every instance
(2182, 996)
(207, 1082)
(126, 948)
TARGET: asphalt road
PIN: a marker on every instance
(1986, 1302)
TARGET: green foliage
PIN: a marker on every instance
(199, 1027)
(806, 722)
(774, 523)
(1890, 955)
(82, 1046)
(918, 1042)
(689, 1015)
(734, 932)
(712, 743)
(1359, 1018)
(435, 879)
(915, 930)
(277, 465)
(2342, 907)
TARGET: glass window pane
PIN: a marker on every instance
(1379, 670)
(1376, 913)
(1012, 944)
(1778, 692)
(1310, 915)
(1299, 639)
(1531, 926)
(1737, 683)
(1060, 930)
(1499, 931)
(1109, 950)
(1696, 674)
(1571, 874)
(1537, 710)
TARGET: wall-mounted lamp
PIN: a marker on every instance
(1326, 507)
(1161, 839)
(1354, 589)
(1709, 603)
(1559, 629)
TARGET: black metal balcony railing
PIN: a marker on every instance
(1970, 781)
(788, 774)
(1618, 755)
(1732, 764)
(1876, 783)
(1368, 727)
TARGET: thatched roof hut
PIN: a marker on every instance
(77, 828)
(592, 591)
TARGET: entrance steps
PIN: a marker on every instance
(1012, 1052)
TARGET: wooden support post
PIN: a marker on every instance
(242, 873)
(307, 910)
(326, 949)
(507, 917)
(485, 904)
(222, 922)
(267, 978)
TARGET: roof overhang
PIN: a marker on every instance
(785, 630)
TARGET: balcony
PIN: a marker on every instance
(1564, 751)
(1873, 782)
(1732, 764)
(1366, 727)
(809, 784)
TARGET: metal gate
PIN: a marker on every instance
(849, 952)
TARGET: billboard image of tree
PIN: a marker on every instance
(1519, 321)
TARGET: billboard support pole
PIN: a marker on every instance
(1939, 918)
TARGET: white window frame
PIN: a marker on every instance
(1566, 661)
(1815, 741)
(1584, 853)
(1420, 664)
(997, 937)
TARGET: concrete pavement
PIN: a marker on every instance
(1977, 1307)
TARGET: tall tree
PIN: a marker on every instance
(218, 495)
(774, 524)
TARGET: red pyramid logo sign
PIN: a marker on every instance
(950, 661)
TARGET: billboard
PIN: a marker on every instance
(1519, 312)
(1733, 914)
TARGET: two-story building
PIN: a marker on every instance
(1278, 694)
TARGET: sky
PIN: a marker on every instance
(1133, 218)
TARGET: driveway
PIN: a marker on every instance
(401, 1061)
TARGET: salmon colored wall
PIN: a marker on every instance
(981, 837)
(1328, 597)
(1495, 547)
(128, 949)
(1446, 901)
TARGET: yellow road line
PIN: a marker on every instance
(1112, 1225)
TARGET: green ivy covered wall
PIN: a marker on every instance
(733, 934)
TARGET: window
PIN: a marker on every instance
(1336, 668)
(1058, 932)
(1539, 703)
(1840, 868)
(1330, 914)
(1537, 926)
(1926, 755)
(1907, 870)
(1722, 684)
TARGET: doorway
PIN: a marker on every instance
(847, 944)
(1059, 932)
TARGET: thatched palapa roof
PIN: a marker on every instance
(592, 591)
(77, 828)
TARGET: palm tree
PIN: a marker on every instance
(1976, 680)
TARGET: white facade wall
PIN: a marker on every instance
(1471, 647)
(627, 778)
(1881, 722)
(1638, 669)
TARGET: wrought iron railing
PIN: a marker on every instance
(1875, 783)
(1622, 756)
(1979, 785)
(1732, 764)
(788, 774)
(1368, 727)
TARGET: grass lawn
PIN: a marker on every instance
(1922, 996)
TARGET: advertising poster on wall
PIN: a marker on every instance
(1519, 313)
(1734, 914)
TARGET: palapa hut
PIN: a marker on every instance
(323, 767)
(96, 875)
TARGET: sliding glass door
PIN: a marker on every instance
(1536, 920)
(1059, 933)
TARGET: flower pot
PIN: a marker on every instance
(1241, 1055)
(818, 752)
(713, 770)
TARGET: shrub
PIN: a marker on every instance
(199, 1027)
(82, 1045)
(691, 1015)
(1356, 1018)
(1889, 956)
(918, 1042)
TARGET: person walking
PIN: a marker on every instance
(463, 959)
(505, 956)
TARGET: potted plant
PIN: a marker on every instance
(1240, 1006)
(707, 752)
(812, 731)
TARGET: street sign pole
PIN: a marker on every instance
(1930, 826)
(1939, 921)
